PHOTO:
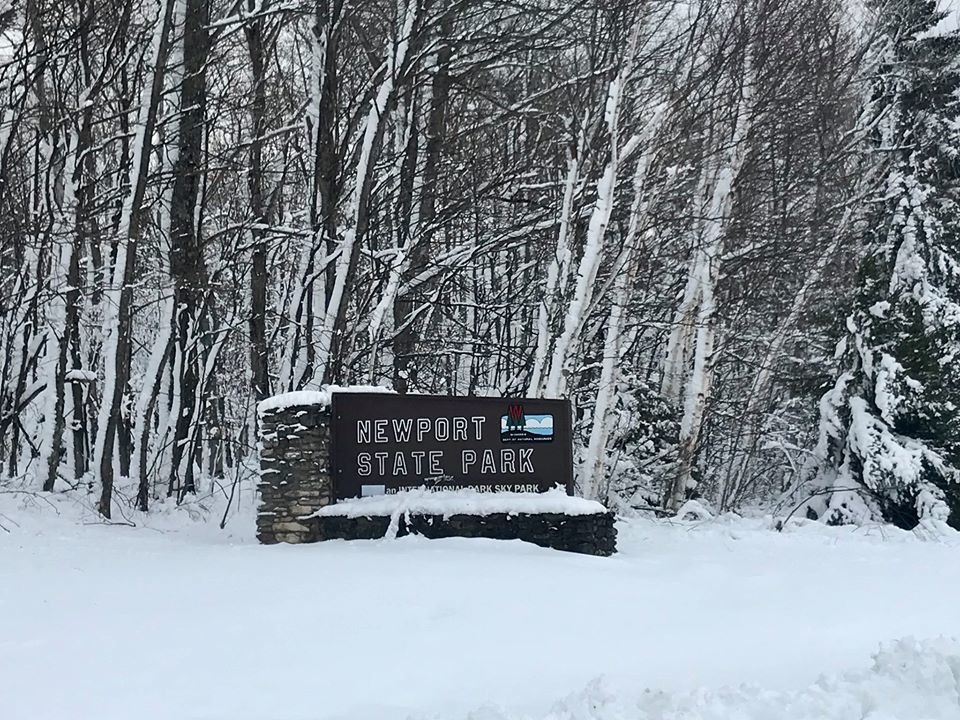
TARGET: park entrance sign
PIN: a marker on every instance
(334, 464)
(382, 444)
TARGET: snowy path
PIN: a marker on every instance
(96, 621)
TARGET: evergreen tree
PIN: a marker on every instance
(890, 427)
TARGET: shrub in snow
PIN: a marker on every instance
(643, 446)
(693, 510)
(890, 426)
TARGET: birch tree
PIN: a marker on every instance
(116, 346)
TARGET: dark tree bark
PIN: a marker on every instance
(186, 255)
(259, 368)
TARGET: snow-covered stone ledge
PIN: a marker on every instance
(462, 502)
(554, 519)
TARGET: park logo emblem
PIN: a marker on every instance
(518, 426)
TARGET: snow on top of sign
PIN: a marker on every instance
(461, 502)
(321, 397)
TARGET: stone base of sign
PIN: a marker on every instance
(593, 534)
(294, 470)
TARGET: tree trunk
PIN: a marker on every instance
(406, 337)
(186, 254)
(259, 370)
(333, 332)
(117, 315)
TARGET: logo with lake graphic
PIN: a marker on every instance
(518, 426)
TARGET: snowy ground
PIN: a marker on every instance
(721, 620)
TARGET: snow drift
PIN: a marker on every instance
(909, 680)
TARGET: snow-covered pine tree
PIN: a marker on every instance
(890, 427)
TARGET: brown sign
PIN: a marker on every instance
(384, 443)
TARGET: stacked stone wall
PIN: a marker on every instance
(294, 471)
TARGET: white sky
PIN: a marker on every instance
(950, 22)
